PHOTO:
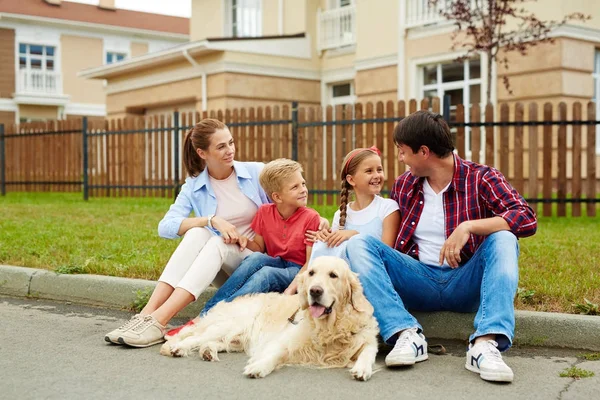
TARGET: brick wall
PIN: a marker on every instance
(7, 65)
(7, 118)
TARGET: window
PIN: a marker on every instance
(39, 57)
(461, 81)
(342, 93)
(339, 3)
(244, 18)
(596, 76)
(113, 57)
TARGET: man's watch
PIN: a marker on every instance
(209, 220)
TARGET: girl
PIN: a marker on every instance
(224, 195)
(368, 214)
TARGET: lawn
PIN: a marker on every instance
(559, 266)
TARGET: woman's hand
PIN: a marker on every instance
(338, 237)
(227, 230)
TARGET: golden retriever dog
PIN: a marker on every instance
(328, 324)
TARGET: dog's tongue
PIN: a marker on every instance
(316, 310)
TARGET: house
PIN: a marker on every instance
(45, 43)
(262, 52)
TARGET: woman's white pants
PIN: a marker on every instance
(200, 259)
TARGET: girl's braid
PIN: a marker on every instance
(343, 203)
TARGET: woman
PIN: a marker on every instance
(224, 195)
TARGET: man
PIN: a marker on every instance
(456, 249)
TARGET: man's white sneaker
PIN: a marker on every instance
(410, 348)
(113, 336)
(146, 333)
(484, 358)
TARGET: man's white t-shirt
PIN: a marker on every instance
(430, 232)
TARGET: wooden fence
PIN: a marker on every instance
(143, 157)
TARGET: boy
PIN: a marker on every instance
(279, 228)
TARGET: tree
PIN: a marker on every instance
(484, 24)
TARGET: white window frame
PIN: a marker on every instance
(116, 44)
(44, 58)
(252, 5)
(440, 87)
(333, 4)
(334, 101)
(596, 99)
(114, 53)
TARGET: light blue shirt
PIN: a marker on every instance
(197, 195)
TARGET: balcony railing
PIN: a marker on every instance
(337, 28)
(420, 13)
(32, 81)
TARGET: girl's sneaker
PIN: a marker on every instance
(113, 336)
(170, 334)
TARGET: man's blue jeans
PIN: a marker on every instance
(258, 273)
(395, 282)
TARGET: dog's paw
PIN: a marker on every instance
(258, 369)
(209, 354)
(363, 373)
(165, 349)
(177, 351)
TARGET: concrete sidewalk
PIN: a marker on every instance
(532, 328)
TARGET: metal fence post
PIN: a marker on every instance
(446, 111)
(295, 130)
(84, 134)
(2, 162)
(176, 150)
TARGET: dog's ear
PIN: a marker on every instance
(302, 290)
(357, 297)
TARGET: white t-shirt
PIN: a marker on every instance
(430, 231)
(232, 205)
(368, 221)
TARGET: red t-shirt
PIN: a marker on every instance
(285, 237)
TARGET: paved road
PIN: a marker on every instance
(56, 351)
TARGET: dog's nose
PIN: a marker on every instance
(316, 291)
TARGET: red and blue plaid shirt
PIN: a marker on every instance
(476, 192)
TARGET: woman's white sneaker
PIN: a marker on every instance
(410, 348)
(484, 359)
(113, 336)
(146, 333)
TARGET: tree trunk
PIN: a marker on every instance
(488, 94)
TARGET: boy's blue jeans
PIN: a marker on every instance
(395, 282)
(258, 273)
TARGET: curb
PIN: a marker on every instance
(532, 328)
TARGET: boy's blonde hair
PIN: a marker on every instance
(276, 172)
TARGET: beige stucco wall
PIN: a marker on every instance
(295, 16)
(38, 112)
(138, 48)
(270, 17)
(155, 96)
(207, 19)
(376, 84)
(224, 90)
(564, 74)
(79, 53)
(376, 28)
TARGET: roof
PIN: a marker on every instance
(92, 14)
(294, 46)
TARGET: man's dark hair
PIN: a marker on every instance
(424, 128)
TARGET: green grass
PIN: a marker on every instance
(576, 373)
(118, 237)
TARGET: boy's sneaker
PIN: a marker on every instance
(410, 348)
(169, 335)
(113, 336)
(484, 358)
(146, 333)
